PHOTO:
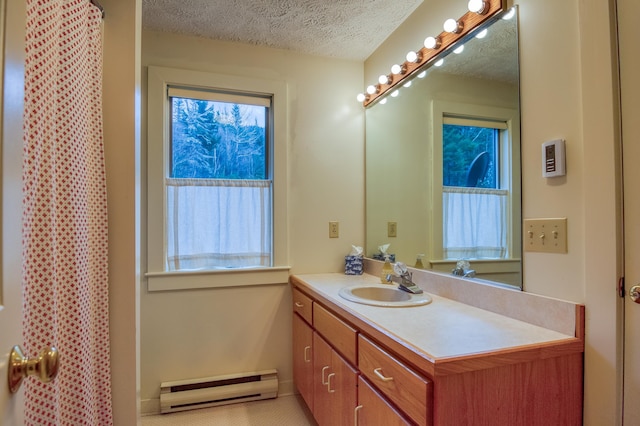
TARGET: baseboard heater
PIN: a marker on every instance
(184, 395)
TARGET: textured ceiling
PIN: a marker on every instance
(349, 29)
(494, 57)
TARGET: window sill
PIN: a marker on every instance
(190, 280)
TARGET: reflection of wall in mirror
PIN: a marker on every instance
(398, 177)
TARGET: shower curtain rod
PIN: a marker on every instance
(99, 6)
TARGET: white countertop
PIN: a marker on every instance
(442, 329)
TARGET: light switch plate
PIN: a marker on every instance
(545, 235)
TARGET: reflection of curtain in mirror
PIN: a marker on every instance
(474, 223)
(64, 276)
(218, 223)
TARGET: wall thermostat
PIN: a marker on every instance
(553, 158)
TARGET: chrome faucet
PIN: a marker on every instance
(463, 269)
(403, 278)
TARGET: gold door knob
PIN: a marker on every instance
(45, 366)
(634, 293)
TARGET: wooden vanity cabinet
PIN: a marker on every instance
(537, 384)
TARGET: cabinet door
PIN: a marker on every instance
(343, 389)
(335, 385)
(373, 409)
(321, 370)
(303, 359)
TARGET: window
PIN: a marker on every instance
(218, 186)
(474, 208)
(216, 180)
(477, 201)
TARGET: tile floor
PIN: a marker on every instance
(282, 411)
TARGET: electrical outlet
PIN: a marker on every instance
(545, 235)
(392, 229)
(334, 229)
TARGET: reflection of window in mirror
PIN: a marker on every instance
(476, 197)
(473, 202)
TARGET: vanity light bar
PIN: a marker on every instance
(467, 23)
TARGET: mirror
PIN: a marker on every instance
(443, 161)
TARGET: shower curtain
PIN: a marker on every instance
(64, 279)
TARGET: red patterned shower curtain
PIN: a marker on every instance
(65, 283)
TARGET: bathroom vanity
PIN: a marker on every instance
(473, 356)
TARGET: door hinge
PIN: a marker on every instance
(621, 291)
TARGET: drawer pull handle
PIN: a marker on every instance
(381, 376)
(324, 369)
(306, 351)
(299, 305)
(329, 383)
(355, 414)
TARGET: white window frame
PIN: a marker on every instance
(509, 173)
(158, 163)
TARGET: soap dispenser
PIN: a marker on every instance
(386, 270)
(419, 264)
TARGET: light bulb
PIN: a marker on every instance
(383, 79)
(478, 6)
(361, 97)
(432, 42)
(414, 57)
(407, 84)
(458, 50)
(383, 101)
(399, 69)
(439, 63)
(395, 94)
(509, 14)
(422, 74)
(482, 34)
(452, 26)
(372, 89)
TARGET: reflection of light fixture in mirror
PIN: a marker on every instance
(414, 57)
(509, 14)
(372, 90)
(458, 50)
(399, 69)
(395, 94)
(432, 42)
(453, 26)
(383, 101)
(407, 84)
(422, 74)
(438, 63)
(361, 97)
(385, 79)
(478, 6)
(482, 34)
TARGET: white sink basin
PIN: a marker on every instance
(383, 295)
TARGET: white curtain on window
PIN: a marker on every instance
(474, 223)
(213, 223)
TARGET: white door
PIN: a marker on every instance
(11, 405)
(629, 33)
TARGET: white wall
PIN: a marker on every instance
(198, 333)
(566, 92)
(121, 96)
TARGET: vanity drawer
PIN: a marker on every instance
(303, 305)
(409, 391)
(338, 333)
